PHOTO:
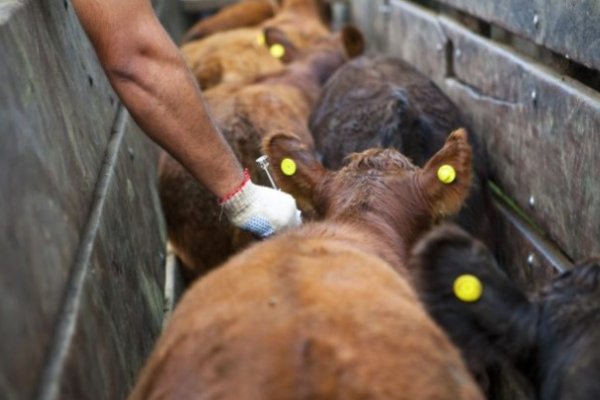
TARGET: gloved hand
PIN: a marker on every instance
(261, 210)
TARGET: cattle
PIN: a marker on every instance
(241, 55)
(245, 114)
(551, 336)
(238, 15)
(380, 188)
(324, 311)
(245, 14)
(381, 101)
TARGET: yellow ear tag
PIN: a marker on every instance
(468, 288)
(288, 166)
(261, 40)
(277, 50)
(446, 174)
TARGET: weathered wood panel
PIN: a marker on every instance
(416, 37)
(526, 255)
(570, 28)
(121, 308)
(171, 17)
(540, 131)
(50, 155)
(537, 127)
(370, 16)
(57, 112)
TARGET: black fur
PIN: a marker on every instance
(379, 101)
(552, 339)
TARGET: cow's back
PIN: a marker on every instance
(296, 318)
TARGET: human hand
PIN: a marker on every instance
(261, 210)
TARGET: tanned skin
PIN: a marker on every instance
(150, 76)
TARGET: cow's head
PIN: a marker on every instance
(552, 337)
(349, 41)
(378, 187)
(301, 20)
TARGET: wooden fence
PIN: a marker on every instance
(82, 242)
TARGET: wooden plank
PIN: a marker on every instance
(540, 132)
(371, 17)
(174, 284)
(529, 258)
(50, 154)
(121, 308)
(56, 115)
(416, 36)
(530, 261)
(567, 27)
(538, 128)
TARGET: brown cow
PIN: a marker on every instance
(245, 114)
(319, 312)
(237, 15)
(379, 190)
(241, 55)
(381, 101)
(245, 14)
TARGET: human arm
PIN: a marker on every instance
(148, 73)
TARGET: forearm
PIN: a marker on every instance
(163, 98)
(146, 70)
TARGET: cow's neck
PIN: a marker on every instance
(379, 240)
(392, 230)
(354, 236)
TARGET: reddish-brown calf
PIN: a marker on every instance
(319, 312)
(245, 114)
(238, 15)
(379, 190)
(250, 13)
(241, 55)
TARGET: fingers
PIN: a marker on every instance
(262, 211)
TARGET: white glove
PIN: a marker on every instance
(261, 210)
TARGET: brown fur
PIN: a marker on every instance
(244, 114)
(318, 313)
(381, 101)
(235, 56)
(238, 15)
(249, 13)
(381, 188)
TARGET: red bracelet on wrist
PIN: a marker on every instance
(237, 188)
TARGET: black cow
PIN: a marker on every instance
(380, 101)
(552, 337)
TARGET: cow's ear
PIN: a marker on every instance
(465, 291)
(295, 168)
(446, 178)
(279, 45)
(353, 40)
